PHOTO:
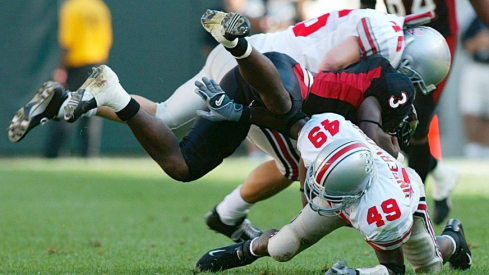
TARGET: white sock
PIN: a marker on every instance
(233, 207)
(453, 241)
(90, 113)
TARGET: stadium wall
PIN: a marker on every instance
(157, 46)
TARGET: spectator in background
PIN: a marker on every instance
(474, 90)
(85, 38)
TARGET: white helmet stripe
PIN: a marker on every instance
(335, 156)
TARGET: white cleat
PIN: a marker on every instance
(225, 26)
(445, 177)
(104, 85)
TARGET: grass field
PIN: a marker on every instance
(125, 216)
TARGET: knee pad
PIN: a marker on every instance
(421, 250)
(284, 245)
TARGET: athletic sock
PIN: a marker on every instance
(233, 208)
(241, 50)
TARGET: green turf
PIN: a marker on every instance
(115, 216)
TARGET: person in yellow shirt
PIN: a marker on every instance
(85, 38)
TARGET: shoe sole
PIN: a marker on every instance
(233, 23)
(22, 122)
(76, 97)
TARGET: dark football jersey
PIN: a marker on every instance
(343, 91)
(445, 20)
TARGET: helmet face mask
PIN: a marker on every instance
(341, 174)
(416, 79)
(406, 129)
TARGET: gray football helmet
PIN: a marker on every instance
(426, 58)
(340, 175)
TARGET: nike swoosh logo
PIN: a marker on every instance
(219, 101)
(215, 251)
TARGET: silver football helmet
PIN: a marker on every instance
(426, 57)
(340, 175)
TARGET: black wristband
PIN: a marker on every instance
(371, 121)
(246, 115)
(129, 111)
(398, 269)
(301, 189)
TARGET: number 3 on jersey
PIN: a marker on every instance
(319, 135)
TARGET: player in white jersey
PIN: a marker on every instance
(340, 38)
(329, 42)
(350, 181)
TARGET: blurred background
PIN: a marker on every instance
(157, 45)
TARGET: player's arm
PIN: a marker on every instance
(302, 178)
(342, 55)
(370, 121)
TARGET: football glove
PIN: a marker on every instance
(221, 107)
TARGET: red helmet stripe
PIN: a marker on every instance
(332, 158)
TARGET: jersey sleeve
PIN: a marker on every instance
(376, 36)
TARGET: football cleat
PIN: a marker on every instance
(240, 232)
(462, 258)
(226, 257)
(43, 107)
(76, 106)
(103, 84)
(340, 267)
(445, 177)
(228, 25)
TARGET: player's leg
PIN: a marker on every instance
(307, 228)
(180, 108)
(268, 179)
(229, 29)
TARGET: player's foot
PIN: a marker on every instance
(462, 258)
(240, 232)
(445, 177)
(225, 25)
(340, 267)
(43, 107)
(104, 85)
(226, 257)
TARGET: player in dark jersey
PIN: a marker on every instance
(419, 152)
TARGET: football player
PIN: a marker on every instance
(273, 175)
(419, 154)
(349, 181)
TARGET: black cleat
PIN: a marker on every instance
(240, 232)
(441, 210)
(226, 257)
(462, 258)
(230, 25)
(43, 107)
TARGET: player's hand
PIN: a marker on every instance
(220, 105)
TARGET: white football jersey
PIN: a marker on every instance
(308, 41)
(384, 214)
